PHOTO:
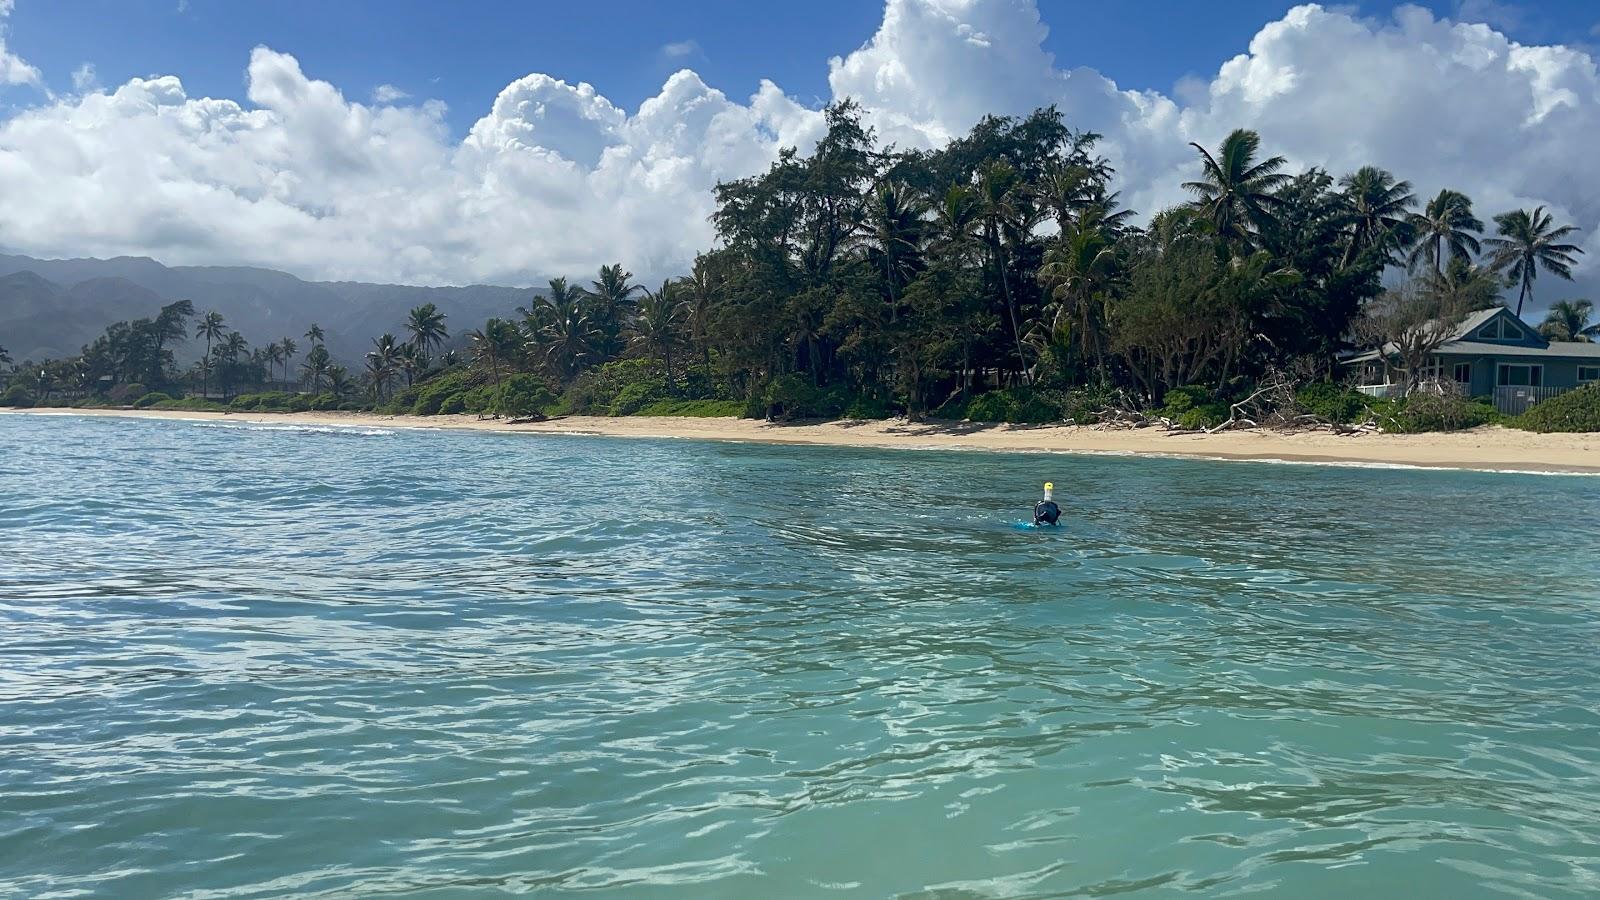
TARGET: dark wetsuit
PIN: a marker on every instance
(1046, 512)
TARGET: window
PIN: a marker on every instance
(1518, 375)
(1500, 329)
(1587, 374)
(1463, 373)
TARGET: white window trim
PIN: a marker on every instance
(1530, 366)
(1594, 368)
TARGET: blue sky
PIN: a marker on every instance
(274, 153)
(464, 53)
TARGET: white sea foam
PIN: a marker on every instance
(345, 430)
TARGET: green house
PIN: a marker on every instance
(1494, 354)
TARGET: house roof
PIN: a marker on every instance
(1458, 345)
(1556, 349)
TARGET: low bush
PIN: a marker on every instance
(694, 408)
(1334, 402)
(1193, 407)
(190, 404)
(151, 399)
(518, 395)
(428, 398)
(1078, 405)
(453, 405)
(126, 393)
(17, 397)
(271, 401)
(1421, 413)
(1573, 411)
(794, 396)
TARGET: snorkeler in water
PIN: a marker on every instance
(1046, 512)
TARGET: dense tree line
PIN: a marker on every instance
(917, 279)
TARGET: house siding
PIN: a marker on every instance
(1558, 372)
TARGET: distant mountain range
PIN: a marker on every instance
(50, 308)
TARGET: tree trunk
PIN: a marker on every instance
(1011, 310)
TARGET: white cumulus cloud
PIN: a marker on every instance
(13, 68)
(388, 93)
(555, 178)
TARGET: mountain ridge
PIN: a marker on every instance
(61, 304)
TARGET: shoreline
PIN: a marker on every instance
(1490, 448)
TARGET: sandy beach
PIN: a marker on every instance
(1490, 448)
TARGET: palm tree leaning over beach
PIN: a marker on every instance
(1568, 320)
(1530, 241)
(1446, 229)
(211, 328)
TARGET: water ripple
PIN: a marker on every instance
(248, 661)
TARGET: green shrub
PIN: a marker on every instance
(429, 397)
(1182, 399)
(271, 401)
(1574, 411)
(707, 409)
(126, 393)
(1421, 413)
(17, 397)
(1193, 407)
(453, 405)
(635, 396)
(793, 396)
(863, 406)
(151, 399)
(190, 404)
(1334, 402)
(521, 395)
(1033, 406)
(994, 406)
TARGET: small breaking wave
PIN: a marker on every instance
(339, 430)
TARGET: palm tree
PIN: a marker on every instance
(382, 360)
(1235, 193)
(211, 328)
(272, 355)
(1445, 227)
(893, 229)
(316, 366)
(1568, 320)
(1078, 270)
(559, 331)
(487, 345)
(338, 382)
(426, 324)
(656, 327)
(1530, 241)
(611, 294)
(999, 211)
(314, 334)
(700, 293)
(5, 357)
(412, 362)
(1379, 217)
(288, 348)
(229, 351)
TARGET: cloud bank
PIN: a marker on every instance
(556, 179)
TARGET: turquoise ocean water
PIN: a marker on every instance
(271, 660)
